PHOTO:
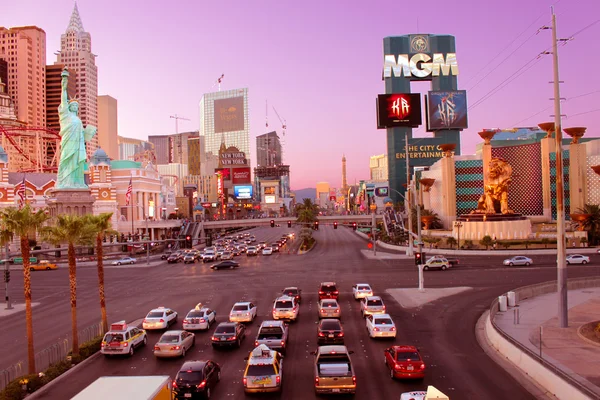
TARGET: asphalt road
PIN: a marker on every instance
(443, 330)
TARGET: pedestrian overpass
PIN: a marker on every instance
(323, 220)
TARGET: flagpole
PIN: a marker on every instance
(131, 203)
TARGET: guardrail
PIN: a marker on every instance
(48, 356)
(538, 289)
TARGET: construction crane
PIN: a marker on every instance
(283, 128)
(179, 139)
(218, 82)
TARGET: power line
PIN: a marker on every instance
(582, 113)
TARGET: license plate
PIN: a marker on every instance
(187, 395)
(222, 339)
(410, 368)
(330, 335)
(335, 390)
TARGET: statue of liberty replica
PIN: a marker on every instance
(72, 143)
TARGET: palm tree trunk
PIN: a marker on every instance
(28, 315)
(99, 252)
(73, 289)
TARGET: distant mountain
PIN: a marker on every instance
(308, 193)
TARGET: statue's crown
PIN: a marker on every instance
(74, 100)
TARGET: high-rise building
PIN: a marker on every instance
(3, 71)
(161, 148)
(268, 150)
(193, 145)
(54, 92)
(107, 126)
(224, 119)
(130, 149)
(344, 176)
(172, 148)
(76, 53)
(378, 166)
(24, 50)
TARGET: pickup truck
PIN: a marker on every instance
(274, 334)
(333, 370)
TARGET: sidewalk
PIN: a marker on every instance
(562, 347)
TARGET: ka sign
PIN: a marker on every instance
(419, 65)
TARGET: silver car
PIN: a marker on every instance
(329, 308)
(174, 344)
(518, 260)
(577, 259)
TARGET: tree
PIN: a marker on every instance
(450, 241)
(592, 222)
(436, 222)
(307, 211)
(102, 226)
(22, 222)
(486, 241)
(73, 230)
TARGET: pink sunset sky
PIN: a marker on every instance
(319, 63)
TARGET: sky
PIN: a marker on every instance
(319, 64)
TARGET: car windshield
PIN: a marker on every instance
(383, 321)
(283, 304)
(113, 337)
(225, 329)
(330, 303)
(196, 314)
(190, 376)
(240, 308)
(374, 302)
(270, 332)
(155, 314)
(169, 339)
(327, 288)
(330, 325)
(260, 370)
(407, 355)
(364, 288)
(291, 291)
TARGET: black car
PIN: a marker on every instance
(174, 258)
(166, 255)
(294, 292)
(328, 290)
(228, 334)
(196, 379)
(226, 264)
(330, 331)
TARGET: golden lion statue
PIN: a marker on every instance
(495, 196)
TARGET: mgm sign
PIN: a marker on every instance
(411, 58)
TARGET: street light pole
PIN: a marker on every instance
(408, 198)
(7, 271)
(458, 225)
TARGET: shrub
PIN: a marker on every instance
(486, 241)
(468, 244)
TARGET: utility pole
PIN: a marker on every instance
(407, 198)
(563, 309)
(6, 276)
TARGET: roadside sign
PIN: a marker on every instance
(417, 243)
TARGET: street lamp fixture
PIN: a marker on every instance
(458, 225)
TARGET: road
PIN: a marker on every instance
(443, 330)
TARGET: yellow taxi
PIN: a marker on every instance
(122, 339)
(264, 371)
(43, 265)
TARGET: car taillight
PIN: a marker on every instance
(214, 338)
(397, 366)
(376, 329)
(337, 310)
(278, 380)
(161, 320)
(321, 334)
(321, 292)
(175, 348)
(231, 338)
(422, 366)
(156, 348)
(282, 343)
(174, 385)
(145, 321)
(341, 334)
(186, 321)
(248, 314)
(202, 384)
(256, 343)
(353, 379)
(102, 344)
(245, 381)
(392, 329)
(336, 292)
(274, 310)
(316, 381)
(323, 311)
(384, 307)
(125, 344)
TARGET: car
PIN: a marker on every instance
(418, 395)
(209, 255)
(122, 339)
(226, 264)
(453, 261)
(243, 311)
(285, 307)
(372, 305)
(267, 251)
(333, 370)
(577, 259)
(274, 247)
(262, 245)
(175, 258)
(518, 260)
(43, 265)
(196, 379)
(252, 238)
(189, 258)
(361, 290)
(199, 318)
(330, 331)
(274, 334)
(328, 290)
(404, 362)
(174, 344)
(294, 292)
(329, 308)
(380, 325)
(264, 370)
(165, 255)
(159, 318)
(227, 255)
(251, 251)
(228, 334)
(436, 263)
(124, 260)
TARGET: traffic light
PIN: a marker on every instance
(289, 224)
(316, 225)
(272, 223)
(418, 258)
(354, 226)
(335, 225)
(188, 241)
(6, 276)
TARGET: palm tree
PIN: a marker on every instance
(591, 223)
(73, 230)
(436, 222)
(102, 225)
(22, 222)
(307, 211)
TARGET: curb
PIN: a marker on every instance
(588, 341)
(60, 378)
(300, 252)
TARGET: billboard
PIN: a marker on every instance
(270, 199)
(243, 192)
(398, 109)
(446, 110)
(229, 114)
(240, 175)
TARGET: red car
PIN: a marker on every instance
(404, 362)
(328, 290)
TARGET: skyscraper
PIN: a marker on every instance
(224, 119)
(24, 50)
(53, 93)
(76, 53)
(108, 126)
(344, 176)
(172, 148)
(268, 150)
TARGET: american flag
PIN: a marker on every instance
(129, 191)
(21, 194)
